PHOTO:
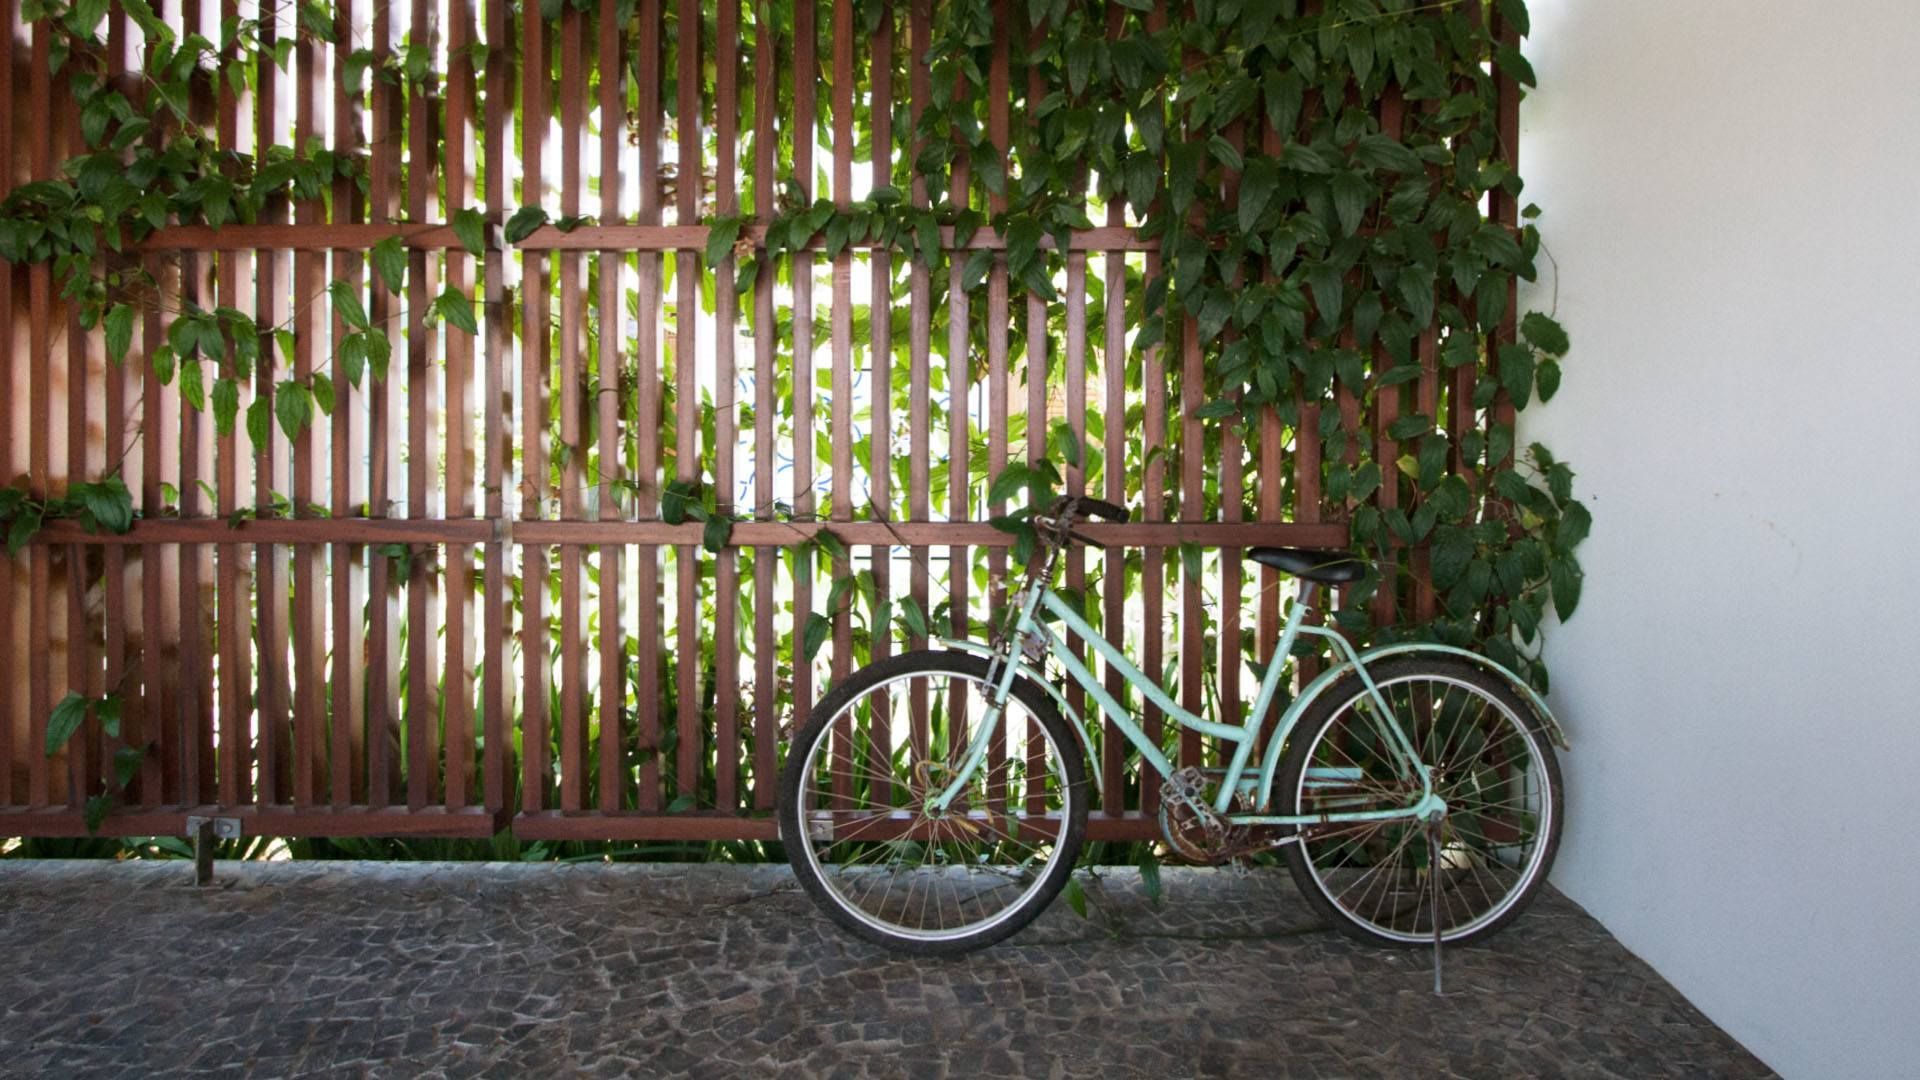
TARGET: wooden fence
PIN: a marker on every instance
(468, 610)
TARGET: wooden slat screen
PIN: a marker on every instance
(454, 604)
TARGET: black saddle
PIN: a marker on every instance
(1326, 567)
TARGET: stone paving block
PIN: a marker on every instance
(457, 970)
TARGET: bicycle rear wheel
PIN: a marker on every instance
(868, 846)
(1492, 764)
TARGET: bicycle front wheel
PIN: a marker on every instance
(1492, 764)
(857, 810)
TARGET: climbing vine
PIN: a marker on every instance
(1310, 271)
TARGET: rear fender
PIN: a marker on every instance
(1421, 648)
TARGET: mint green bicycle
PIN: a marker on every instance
(936, 801)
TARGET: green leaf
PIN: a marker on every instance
(26, 522)
(1063, 441)
(1076, 897)
(1544, 334)
(470, 228)
(1546, 379)
(1406, 427)
(721, 235)
(523, 223)
(914, 618)
(390, 262)
(95, 812)
(110, 504)
(119, 328)
(1565, 577)
(67, 717)
(1516, 373)
(1257, 185)
(226, 405)
(108, 710)
(323, 392)
(259, 417)
(1351, 193)
(379, 351)
(1009, 483)
(1575, 523)
(718, 529)
(1150, 876)
(681, 804)
(454, 306)
(815, 635)
(346, 304)
(351, 358)
(1381, 152)
(192, 390)
(126, 764)
(293, 405)
(1453, 549)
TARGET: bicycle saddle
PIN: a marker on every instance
(1326, 567)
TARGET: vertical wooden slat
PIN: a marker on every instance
(1503, 209)
(805, 73)
(726, 690)
(572, 374)
(1386, 409)
(309, 614)
(687, 268)
(1231, 470)
(9, 660)
(840, 422)
(880, 330)
(1113, 405)
(613, 666)
(422, 712)
(271, 621)
(765, 420)
(1113, 415)
(1036, 378)
(959, 395)
(1153, 580)
(998, 105)
(647, 404)
(40, 434)
(349, 729)
(81, 749)
(536, 720)
(494, 650)
(235, 610)
(1272, 482)
(1193, 507)
(457, 619)
(920, 333)
(383, 415)
(196, 560)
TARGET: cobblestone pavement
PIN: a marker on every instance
(438, 969)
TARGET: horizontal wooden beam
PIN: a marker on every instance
(347, 530)
(556, 825)
(357, 530)
(258, 821)
(433, 237)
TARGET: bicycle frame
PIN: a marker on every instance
(1242, 738)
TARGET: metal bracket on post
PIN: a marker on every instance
(204, 830)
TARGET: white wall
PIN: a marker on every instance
(1732, 191)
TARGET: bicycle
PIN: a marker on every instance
(1418, 796)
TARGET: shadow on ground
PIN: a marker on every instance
(417, 969)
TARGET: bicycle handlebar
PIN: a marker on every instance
(1087, 506)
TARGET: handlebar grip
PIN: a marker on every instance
(1101, 508)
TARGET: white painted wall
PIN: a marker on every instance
(1732, 192)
